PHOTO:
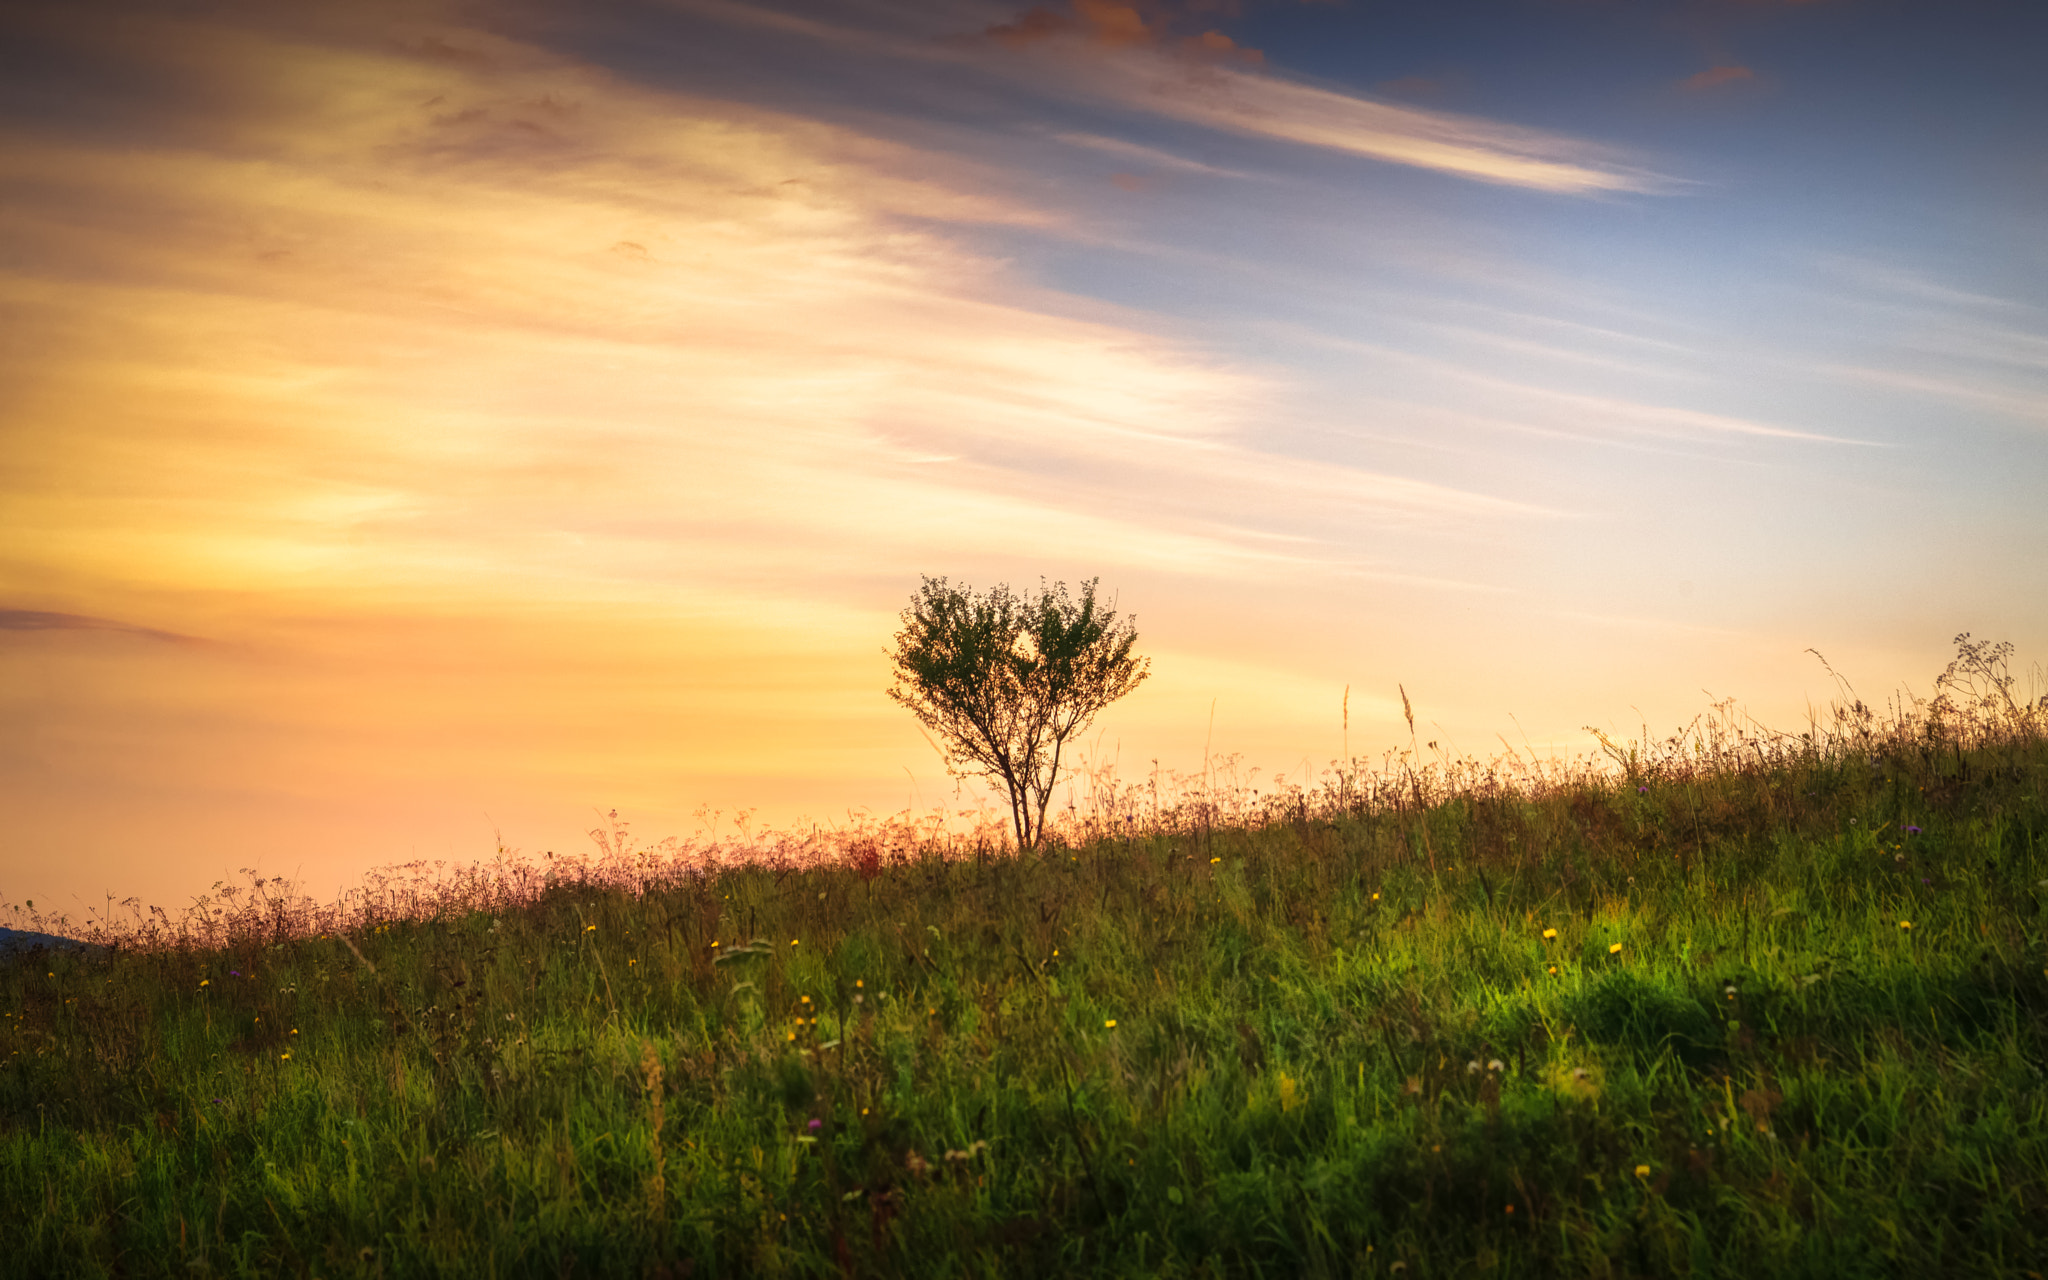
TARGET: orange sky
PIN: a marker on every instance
(416, 429)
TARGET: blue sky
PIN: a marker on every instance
(426, 425)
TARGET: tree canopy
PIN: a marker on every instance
(1005, 679)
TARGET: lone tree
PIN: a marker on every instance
(1005, 679)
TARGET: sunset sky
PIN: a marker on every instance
(424, 422)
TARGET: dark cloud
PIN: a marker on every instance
(1102, 21)
(43, 620)
(1217, 47)
(1034, 24)
(1148, 23)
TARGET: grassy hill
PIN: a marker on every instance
(1742, 1004)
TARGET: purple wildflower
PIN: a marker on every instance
(234, 973)
(817, 1125)
(1642, 791)
(1912, 831)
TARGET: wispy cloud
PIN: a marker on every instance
(1153, 157)
(1137, 59)
(1265, 105)
(2026, 405)
(1947, 342)
(1527, 406)
(45, 620)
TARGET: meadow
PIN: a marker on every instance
(1730, 1002)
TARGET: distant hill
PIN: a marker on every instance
(16, 941)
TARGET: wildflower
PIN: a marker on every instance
(206, 982)
(283, 1056)
(807, 999)
(1912, 831)
(792, 942)
(1472, 1067)
(1906, 924)
(859, 983)
(1214, 861)
(1642, 1171)
(1729, 991)
(1549, 934)
(1496, 1065)
(1109, 1024)
(816, 1124)
(714, 942)
(232, 973)
(1614, 950)
(1642, 791)
(1375, 897)
(590, 928)
(1553, 970)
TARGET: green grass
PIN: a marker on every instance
(1342, 1043)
